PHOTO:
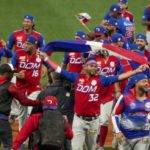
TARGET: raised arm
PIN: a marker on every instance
(112, 79)
(49, 63)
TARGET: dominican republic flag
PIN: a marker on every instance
(86, 46)
(83, 17)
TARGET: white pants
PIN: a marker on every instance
(23, 111)
(135, 144)
(106, 110)
(148, 38)
(84, 131)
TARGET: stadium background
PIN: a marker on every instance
(55, 18)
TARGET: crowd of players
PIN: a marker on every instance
(95, 92)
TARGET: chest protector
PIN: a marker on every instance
(51, 129)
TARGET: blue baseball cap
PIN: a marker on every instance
(29, 17)
(123, 2)
(117, 37)
(141, 36)
(81, 35)
(115, 8)
(90, 61)
(134, 79)
(112, 21)
(146, 13)
(100, 30)
(31, 39)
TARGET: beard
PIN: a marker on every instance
(144, 90)
(142, 47)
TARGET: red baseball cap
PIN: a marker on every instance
(50, 102)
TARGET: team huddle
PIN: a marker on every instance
(82, 96)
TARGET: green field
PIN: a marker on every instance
(55, 18)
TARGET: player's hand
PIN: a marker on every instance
(42, 55)
(119, 136)
(117, 94)
(20, 74)
(3, 42)
(65, 118)
(141, 68)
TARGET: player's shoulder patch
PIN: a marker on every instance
(93, 82)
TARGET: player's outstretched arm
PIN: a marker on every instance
(133, 72)
(49, 63)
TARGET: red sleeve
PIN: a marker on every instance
(68, 131)
(15, 92)
(31, 124)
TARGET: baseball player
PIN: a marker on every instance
(101, 34)
(146, 22)
(111, 26)
(114, 12)
(88, 89)
(8, 90)
(141, 41)
(17, 39)
(131, 115)
(124, 26)
(118, 40)
(74, 61)
(27, 65)
(125, 12)
(139, 47)
(107, 66)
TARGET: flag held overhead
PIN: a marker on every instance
(86, 46)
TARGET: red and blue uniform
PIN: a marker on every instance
(126, 28)
(73, 61)
(134, 113)
(17, 39)
(108, 68)
(128, 15)
(88, 92)
(31, 65)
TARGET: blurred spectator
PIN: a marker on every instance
(50, 125)
(9, 90)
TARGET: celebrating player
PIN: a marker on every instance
(17, 39)
(88, 89)
(131, 115)
(27, 65)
